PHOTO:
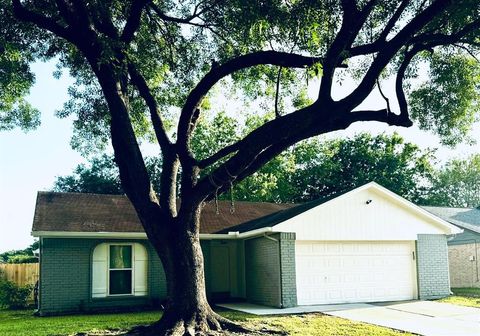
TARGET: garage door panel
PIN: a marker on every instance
(336, 272)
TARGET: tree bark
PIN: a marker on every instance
(175, 237)
(187, 311)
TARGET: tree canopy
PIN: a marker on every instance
(457, 184)
(16, 78)
(146, 69)
(21, 256)
(307, 171)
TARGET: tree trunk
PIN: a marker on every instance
(187, 311)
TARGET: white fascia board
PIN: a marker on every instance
(71, 234)
(142, 235)
(256, 232)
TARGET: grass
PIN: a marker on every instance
(469, 297)
(22, 323)
(314, 324)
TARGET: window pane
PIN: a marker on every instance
(121, 282)
(120, 256)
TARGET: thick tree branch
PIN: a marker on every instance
(352, 22)
(379, 43)
(277, 93)
(402, 101)
(218, 155)
(260, 146)
(383, 115)
(294, 126)
(393, 20)
(195, 97)
(384, 96)
(168, 183)
(444, 39)
(103, 19)
(146, 94)
(133, 173)
(391, 48)
(24, 14)
(133, 20)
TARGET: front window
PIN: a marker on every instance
(120, 269)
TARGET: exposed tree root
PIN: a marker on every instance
(198, 324)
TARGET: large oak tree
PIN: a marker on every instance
(138, 63)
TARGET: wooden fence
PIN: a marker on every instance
(21, 274)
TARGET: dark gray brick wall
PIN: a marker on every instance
(65, 277)
(262, 271)
(270, 270)
(432, 265)
(287, 258)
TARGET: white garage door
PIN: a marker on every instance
(338, 272)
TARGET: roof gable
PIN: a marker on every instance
(365, 203)
(368, 212)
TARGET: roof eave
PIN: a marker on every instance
(142, 235)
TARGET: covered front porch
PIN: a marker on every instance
(259, 269)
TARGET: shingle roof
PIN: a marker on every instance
(466, 218)
(77, 212)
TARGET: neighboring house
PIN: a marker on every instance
(365, 245)
(463, 248)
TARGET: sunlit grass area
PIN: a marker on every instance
(469, 297)
(23, 323)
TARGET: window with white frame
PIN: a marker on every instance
(120, 272)
(119, 269)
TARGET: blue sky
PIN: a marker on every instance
(31, 161)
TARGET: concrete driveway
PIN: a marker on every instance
(420, 317)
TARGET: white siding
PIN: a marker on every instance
(349, 217)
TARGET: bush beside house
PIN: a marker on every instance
(13, 296)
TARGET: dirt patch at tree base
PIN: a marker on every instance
(143, 331)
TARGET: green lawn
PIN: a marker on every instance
(464, 297)
(22, 323)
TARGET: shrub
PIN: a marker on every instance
(13, 296)
(22, 259)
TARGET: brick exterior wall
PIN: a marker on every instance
(265, 274)
(464, 265)
(262, 271)
(270, 270)
(432, 265)
(288, 278)
(66, 272)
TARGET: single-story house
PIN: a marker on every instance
(463, 248)
(366, 245)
